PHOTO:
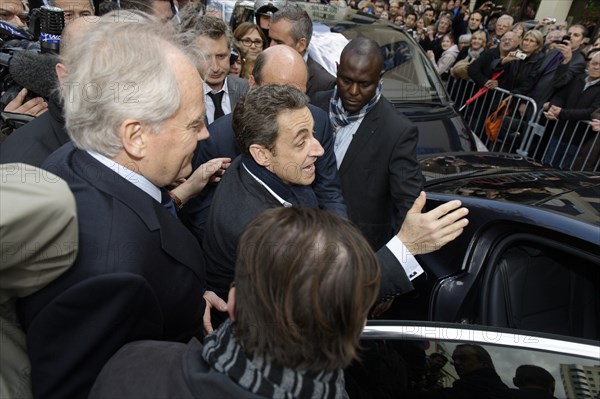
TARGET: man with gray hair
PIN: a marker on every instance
(74, 8)
(503, 25)
(209, 40)
(139, 273)
(292, 26)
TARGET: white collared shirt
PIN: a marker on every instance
(134, 178)
(210, 107)
(343, 138)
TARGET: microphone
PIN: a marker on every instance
(52, 22)
(34, 71)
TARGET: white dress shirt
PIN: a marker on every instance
(210, 107)
(134, 178)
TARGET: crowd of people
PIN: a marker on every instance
(242, 225)
(539, 61)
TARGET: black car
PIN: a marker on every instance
(521, 284)
(529, 258)
(409, 81)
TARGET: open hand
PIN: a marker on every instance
(422, 233)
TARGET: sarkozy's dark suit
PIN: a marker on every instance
(221, 143)
(139, 274)
(238, 200)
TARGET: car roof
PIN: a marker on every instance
(513, 178)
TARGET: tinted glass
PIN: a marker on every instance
(409, 77)
(401, 366)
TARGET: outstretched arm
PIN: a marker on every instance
(420, 233)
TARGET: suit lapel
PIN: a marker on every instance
(234, 92)
(309, 66)
(361, 137)
(176, 240)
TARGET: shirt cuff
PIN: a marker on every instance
(407, 260)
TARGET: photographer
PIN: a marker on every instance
(433, 40)
(482, 69)
(573, 63)
(558, 67)
(522, 66)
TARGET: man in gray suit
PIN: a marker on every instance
(208, 40)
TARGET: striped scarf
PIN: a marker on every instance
(258, 375)
(339, 117)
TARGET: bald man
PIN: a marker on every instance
(280, 65)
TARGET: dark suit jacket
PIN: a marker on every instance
(32, 143)
(221, 143)
(380, 174)
(139, 274)
(318, 78)
(567, 72)
(544, 88)
(238, 200)
(576, 103)
(520, 76)
(237, 87)
(481, 70)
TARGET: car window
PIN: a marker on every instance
(408, 78)
(431, 360)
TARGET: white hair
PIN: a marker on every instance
(118, 71)
(506, 18)
(466, 37)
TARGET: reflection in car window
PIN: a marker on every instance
(408, 77)
(446, 369)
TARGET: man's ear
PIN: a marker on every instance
(231, 303)
(251, 81)
(61, 72)
(261, 155)
(134, 139)
(301, 45)
(337, 66)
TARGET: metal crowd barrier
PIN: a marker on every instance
(525, 130)
(570, 145)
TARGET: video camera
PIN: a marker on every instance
(23, 49)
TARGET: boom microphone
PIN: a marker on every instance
(34, 71)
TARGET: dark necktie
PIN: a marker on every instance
(216, 99)
(167, 202)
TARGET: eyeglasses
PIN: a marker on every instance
(249, 42)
